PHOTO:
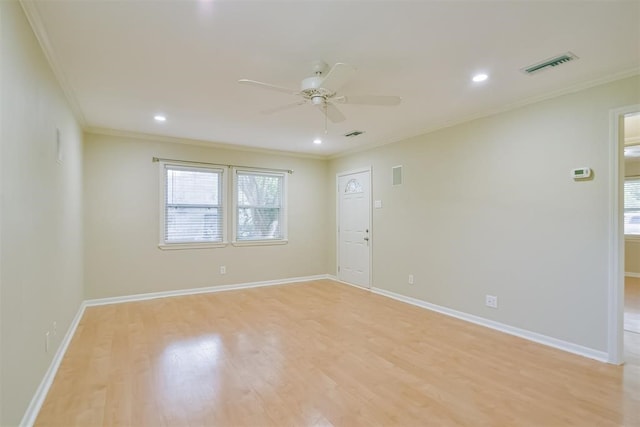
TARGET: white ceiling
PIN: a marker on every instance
(122, 62)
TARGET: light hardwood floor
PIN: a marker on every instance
(321, 354)
(632, 304)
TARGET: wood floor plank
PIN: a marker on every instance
(322, 354)
(632, 304)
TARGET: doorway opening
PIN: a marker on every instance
(630, 135)
(623, 143)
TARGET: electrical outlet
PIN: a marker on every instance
(223, 269)
(411, 279)
(491, 301)
(46, 342)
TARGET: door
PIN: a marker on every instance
(354, 229)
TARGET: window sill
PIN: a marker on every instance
(632, 238)
(260, 242)
(181, 246)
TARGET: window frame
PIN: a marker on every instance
(164, 166)
(283, 207)
(628, 236)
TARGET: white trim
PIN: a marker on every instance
(615, 298)
(630, 274)
(41, 393)
(266, 242)
(511, 330)
(30, 9)
(353, 285)
(205, 290)
(35, 405)
(222, 188)
(284, 207)
(495, 111)
(338, 175)
(150, 137)
(182, 246)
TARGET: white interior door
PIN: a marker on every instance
(354, 229)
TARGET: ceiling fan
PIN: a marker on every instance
(321, 90)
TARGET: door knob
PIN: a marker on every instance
(366, 239)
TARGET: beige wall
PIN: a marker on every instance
(41, 214)
(632, 246)
(122, 231)
(488, 207)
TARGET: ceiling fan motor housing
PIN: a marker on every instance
(311, 83)
(310, 89)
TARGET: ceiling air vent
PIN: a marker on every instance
(354, 133)
(550, 63)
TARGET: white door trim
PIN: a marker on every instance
(615, 333)
(371, 235)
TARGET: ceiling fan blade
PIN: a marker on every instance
(369, 100)
(332, 112)
(339, 74)
(283, 107)
(268, 86)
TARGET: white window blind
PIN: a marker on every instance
(259, 206)
(193, 205)
(632, 206)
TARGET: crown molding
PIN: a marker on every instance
(32, 13)
(197, 142)
(509, 107)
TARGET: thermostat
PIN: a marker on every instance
(581, 173)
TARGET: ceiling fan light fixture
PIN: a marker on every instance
(321, 91)
(311, 83)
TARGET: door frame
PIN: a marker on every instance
(615, 317)
(371, 235)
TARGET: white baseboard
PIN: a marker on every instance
(206, 290)
(335, 279)
(630, 274)
(522, 333)
(41, 393)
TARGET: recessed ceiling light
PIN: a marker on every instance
(317, 141)
(480, 78)
(159, 118)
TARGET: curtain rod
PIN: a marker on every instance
(158, 159)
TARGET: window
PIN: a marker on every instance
(632, 206)
(192, 213)
(260, 214)
(353, 186)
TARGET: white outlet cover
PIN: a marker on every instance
(491, 301)
(377, 204)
